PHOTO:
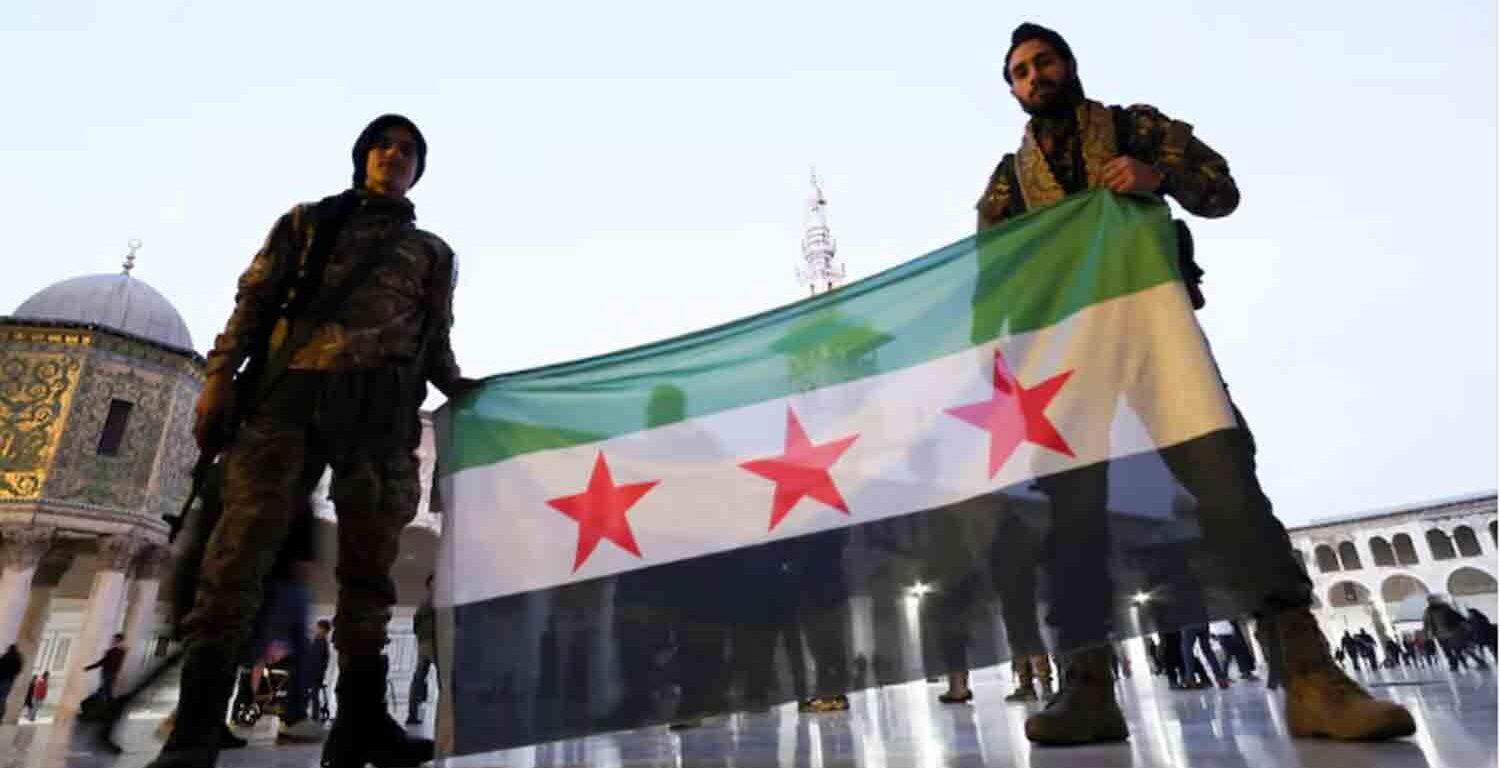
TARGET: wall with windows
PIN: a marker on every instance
(1375, 570)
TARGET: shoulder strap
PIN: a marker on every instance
(1124, 128)
(1017, 202)
(330, 214)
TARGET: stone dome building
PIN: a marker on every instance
(98, 378)
(98, 381)
(116, 301)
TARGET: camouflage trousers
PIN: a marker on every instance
(358, 425)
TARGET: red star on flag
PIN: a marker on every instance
(1014, 414)
(802, 471)
(600, 512)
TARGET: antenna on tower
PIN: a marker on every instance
(821, 268)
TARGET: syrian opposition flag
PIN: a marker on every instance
(878, 484)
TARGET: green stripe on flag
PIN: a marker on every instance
(1024, 275)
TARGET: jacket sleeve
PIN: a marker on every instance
(994, 205)
(1197, 177)
(255, 300)
(441, 365)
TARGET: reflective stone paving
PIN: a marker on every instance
(905, 726)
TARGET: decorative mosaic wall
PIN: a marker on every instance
(174, 465)
(38, 376)
(79, 473)
(55, 393)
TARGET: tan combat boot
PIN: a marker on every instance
(1270, 647)
(1322, 701)
(1084, 711)
(1024, 691)
(1043, 667)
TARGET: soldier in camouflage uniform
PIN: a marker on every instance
(348, 400)
(1072, 144)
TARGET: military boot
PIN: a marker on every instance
(363, 732)
(1322, 701)
(1270, 647)
(1024, 681)
(1043, 667)
(1084, 711)
(207, 680)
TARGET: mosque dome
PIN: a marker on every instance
(116, 301)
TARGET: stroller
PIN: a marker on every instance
(269, 698)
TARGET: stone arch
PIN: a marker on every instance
(1469, 580)
(1381, 550)
(1406, 551)
(1348, 593)
(1328, 562)
(1440, 545)
(1400, 587)
(1466, 541)
(1349, 556)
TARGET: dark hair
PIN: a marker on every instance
(325, 624)
(1028, 31)
(371, 134)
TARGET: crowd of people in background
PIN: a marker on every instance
(1189, 661)
(1179, 655)
(285, 666)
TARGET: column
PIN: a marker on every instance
(1481, 526)
(100, 619)
(39, 608)
(140, 615)
(1361, 541)
(24, 547)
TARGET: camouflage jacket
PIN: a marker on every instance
(1196, 176)
(382, 321)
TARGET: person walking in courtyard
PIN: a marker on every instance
(1484, 630)
(37, 696)
(10, 671)
(1444, 622)
(109, 666)
(424, 625)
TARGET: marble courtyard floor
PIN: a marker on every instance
(902, 726)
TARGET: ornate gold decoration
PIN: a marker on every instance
(35, 392)
(117, 552)
(1038, 186)
(47, 336)
(26, 545)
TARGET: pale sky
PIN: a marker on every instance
(615, 173)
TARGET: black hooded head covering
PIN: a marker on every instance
(372, 132)
(1029, 31)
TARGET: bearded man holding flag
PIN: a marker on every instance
(1072, 144)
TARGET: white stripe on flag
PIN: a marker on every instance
(1140, 366)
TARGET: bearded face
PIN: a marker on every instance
(1042, 80)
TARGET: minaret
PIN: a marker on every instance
(821, 269)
